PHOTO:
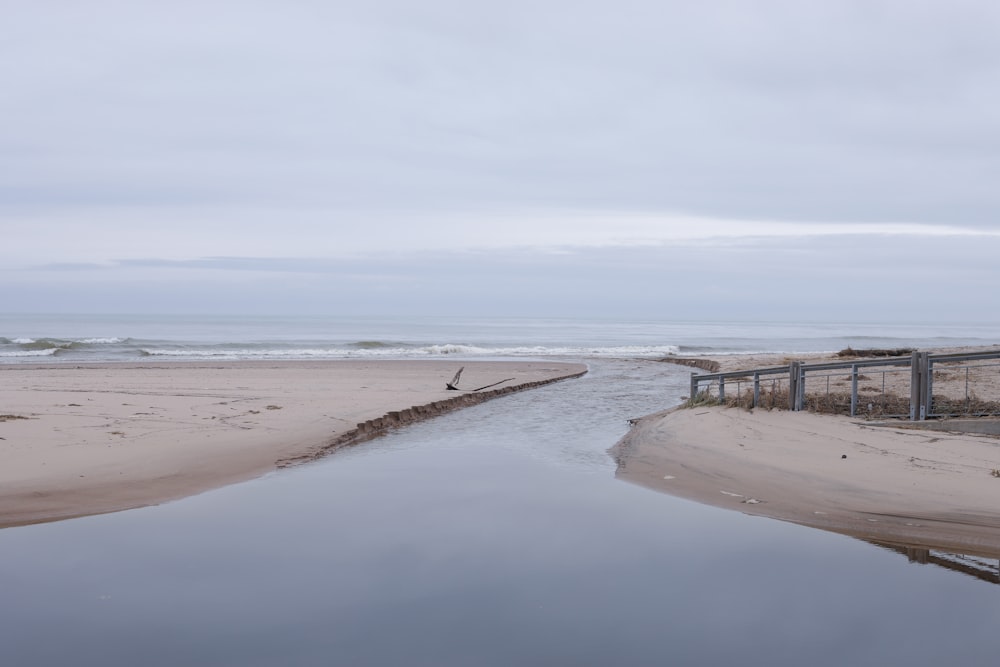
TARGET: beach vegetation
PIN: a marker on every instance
(870, 407)
(874, 404)
(702, 399)
(971, 406)
(769, 398)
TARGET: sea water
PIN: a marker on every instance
(494, 535)
(62, 338)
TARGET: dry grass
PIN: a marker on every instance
(833, 403)
(702, 399)
(872, 405)
(770, 399)
(972, 406)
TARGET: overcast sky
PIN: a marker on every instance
(767, 159)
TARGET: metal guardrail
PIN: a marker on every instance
(922, 403)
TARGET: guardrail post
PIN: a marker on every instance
(854, 389)
(919, 365)
(929, 387)
(925, 385)
(722, 390)
(793, 385)
(694, 386)
(756, 389)
(800, 402)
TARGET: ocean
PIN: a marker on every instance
(101, 338)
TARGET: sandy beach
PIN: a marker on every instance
(79, 440)
(880, 481)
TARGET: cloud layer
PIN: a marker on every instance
(350, 131)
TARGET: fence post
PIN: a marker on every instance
(800, 403)
(854, 389)
(793, 385)
(722, 390)
(925, 385)
(929, 387)
(756, 389)
(694, 386)
(919, 364)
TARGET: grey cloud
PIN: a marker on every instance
(265, 264)
(68, 267)
(314, 156)
(855, 111)
(825, 278)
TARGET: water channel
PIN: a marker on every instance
(495, 535)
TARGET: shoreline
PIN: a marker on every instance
(878, 482)
(890, 482)
(86, 439)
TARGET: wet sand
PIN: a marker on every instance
(80, 440)
(888, 483)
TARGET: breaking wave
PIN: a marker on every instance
(48, 352)
(385, 351)
(25, 346)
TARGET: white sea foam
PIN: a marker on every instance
(247, 353)
(425, 351)
(72, 339)
(30, 353)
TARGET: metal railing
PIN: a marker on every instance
(886, 387)
(970, 373)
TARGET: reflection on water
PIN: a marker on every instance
(980, 567)
(495, 535)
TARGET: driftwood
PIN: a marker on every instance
(875, 352)
(492, 385)
(453, 385)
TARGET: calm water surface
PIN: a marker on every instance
(495, 535)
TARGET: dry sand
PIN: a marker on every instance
(898, 485)
(893, 484)
(100, 438)
(78, 440)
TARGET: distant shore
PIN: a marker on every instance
(89, 439)
(880, 481)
